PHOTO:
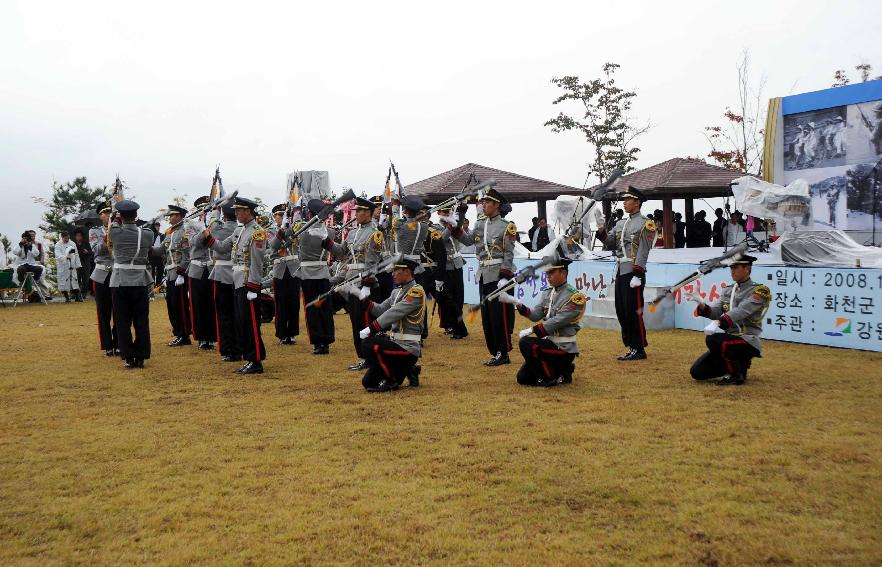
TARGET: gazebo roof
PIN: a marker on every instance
(516, 188)
(679, 178)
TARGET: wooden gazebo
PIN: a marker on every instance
(679, 178)
(516, 188)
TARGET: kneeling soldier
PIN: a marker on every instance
(548, 357)
(391, 359)
(733, 335)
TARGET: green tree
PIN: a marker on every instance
(606, 122)
(66, 202)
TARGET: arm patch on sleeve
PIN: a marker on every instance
(649, 225)
(762, 293)
(511, 230)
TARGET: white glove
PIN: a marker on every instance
(364, 292)
(364, 333)
(526, 332)
(712, 327)
(502, 283)
(251, 296)
(179, 280)
(439, 286)
(196, 225)
(453, 218)
(635, 281)
(348, 289)
(508, 298)
(692, 296)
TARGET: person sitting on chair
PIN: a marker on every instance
(27, 254)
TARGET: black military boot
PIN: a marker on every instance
(413, 377)
(626, 355)
(734, 379)
(500, 359)
(383, 386)
(636, 354)
(243, 368)
(567, 376)
(205, 345)
(134, 363)
(253, 368)
(360, 365)
(180, 341)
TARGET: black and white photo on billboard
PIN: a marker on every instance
(844, 197)
(815, 139)
(864, 140)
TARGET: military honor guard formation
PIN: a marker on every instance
(224, 271)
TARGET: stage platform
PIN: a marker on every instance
(837, 307)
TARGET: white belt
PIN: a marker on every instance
(412, 256)
(223, 262)
(355, 266)
(457, 255)
(559, 340)
(278, 261)
(491, 262)
(308, 263)
(625, 260)
(200, 263)
(427, 264)
(98, 267)
(171, 266)
(406, 337)
(239, 268)
(117, 266)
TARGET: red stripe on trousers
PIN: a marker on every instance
(184, 319)
(97, 313)
(192, 312)
(254, 328)
(380, 360)
(639, 292)
(505, 325)
(544, 366)
(723, 352)
(216, 319)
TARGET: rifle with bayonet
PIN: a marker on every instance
(211, 205)
(704, 268)
(453, 202)
(381, 267)
(323, 214)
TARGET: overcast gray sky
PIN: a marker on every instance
(162, 91)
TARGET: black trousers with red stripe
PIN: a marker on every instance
(248, 326)
(178, 305)
(497, 318)
(452, 299)
(104, 307)
(286, 292)
(726, 354)
(319, 318)
(201, 306)
(386, 359)
(629, 310)
(359, 318)
(228, 343)
(131, 308)
(543, 360)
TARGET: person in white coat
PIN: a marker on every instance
(67, 260)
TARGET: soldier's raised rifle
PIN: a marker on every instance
(520, 277)
(598, 194)
(453, 202)
(381, 267)
(706, 267)
(211, 205)
(323, 214)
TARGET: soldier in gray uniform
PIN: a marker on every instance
(392, 341)
(632, 239)
(733, 335)
(409, 240)
(286, 282)
(247, 246)
(176, 248)
(548, 357)
(452, 290)
(101, 282)
(131, 282)
(315, 280)
(228, 345)
(362, 251)
(493, 238)
(201, 306)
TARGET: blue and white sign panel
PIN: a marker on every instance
(821, 306)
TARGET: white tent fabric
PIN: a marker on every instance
(790, 207)
(831, 248)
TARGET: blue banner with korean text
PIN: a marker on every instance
(838, 307)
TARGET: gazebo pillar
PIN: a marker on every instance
(540, 209)
(668, 222)
(690, 210)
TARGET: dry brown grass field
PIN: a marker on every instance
(184, 463)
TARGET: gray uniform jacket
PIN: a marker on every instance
(313, 256)
(221, 265)
(402, 316)
(200, 259)
(740, 309)
(177, 253)
(409, 241)
(103, 259)
(285, 254)
(131, 246)
(494, 240)
(362, 250)
(453, 246)
(247, 246)
(560, 309)
(632, 239)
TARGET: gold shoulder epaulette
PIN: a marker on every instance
(763, 291)
(436, 234)
(378, 237)
(578, 298)
(416, 291)
(511, 229)
(259, 235)
(649, 225)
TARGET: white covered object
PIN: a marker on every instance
(790, 207)
(831, 248)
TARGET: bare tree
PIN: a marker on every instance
(738, 144)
